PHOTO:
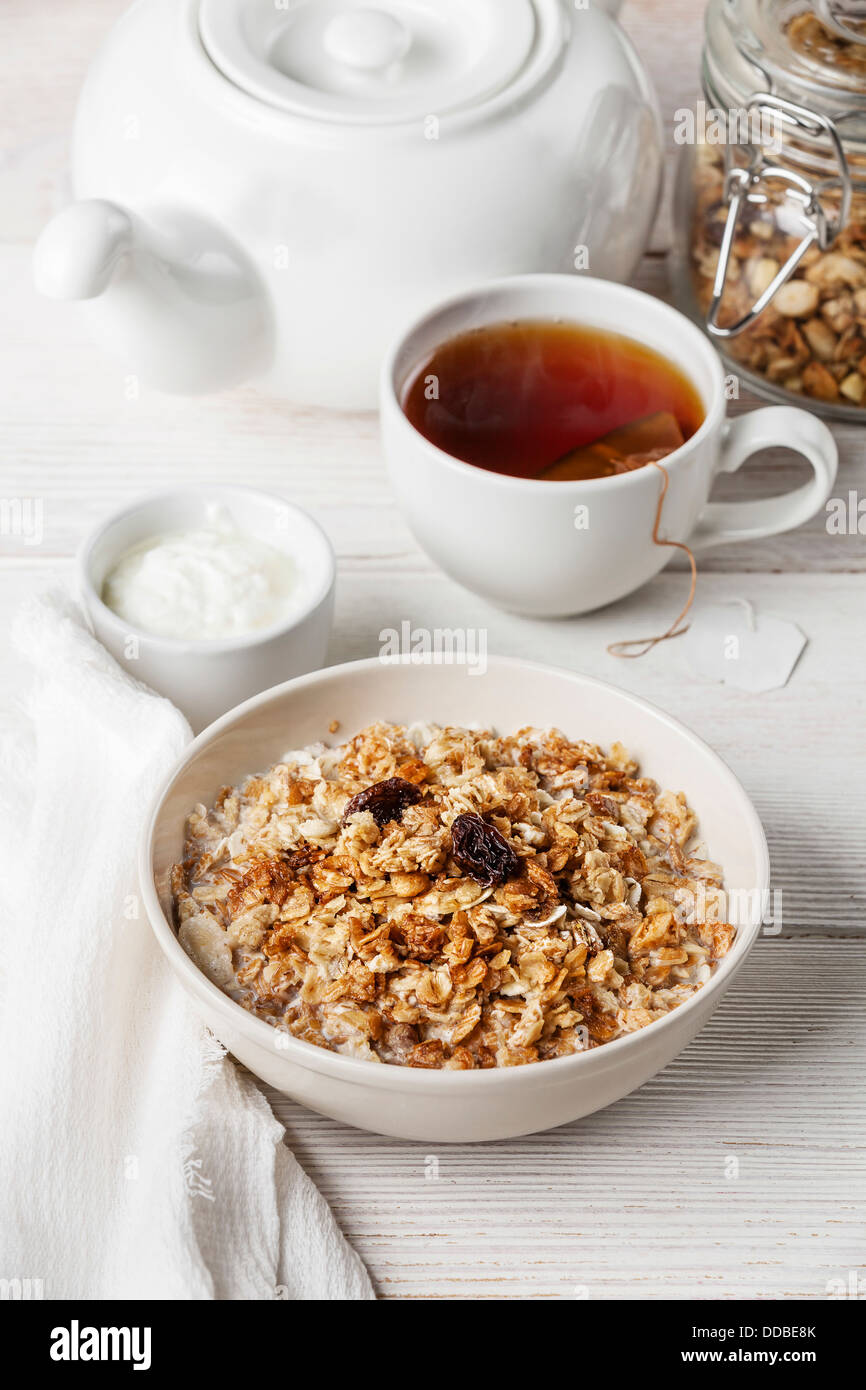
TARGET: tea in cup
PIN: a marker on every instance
(519, 421)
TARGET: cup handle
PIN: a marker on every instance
(722, 522)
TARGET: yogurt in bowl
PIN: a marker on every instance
(210, 596)
(205, 584)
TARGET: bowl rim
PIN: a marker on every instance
(390, 396)
(218, 646)
(310, 1056)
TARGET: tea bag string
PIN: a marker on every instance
(640, 646)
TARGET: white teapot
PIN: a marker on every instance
(270, 189)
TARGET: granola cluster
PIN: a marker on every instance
(571, 908)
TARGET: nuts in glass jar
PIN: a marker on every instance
(770, 252)
(811, 338)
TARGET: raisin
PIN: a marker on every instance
(384, 800)
(482, 852)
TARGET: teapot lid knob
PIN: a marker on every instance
(367, 39)
(384, 62)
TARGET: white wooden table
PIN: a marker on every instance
(736, 1172)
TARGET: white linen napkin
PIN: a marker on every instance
(136, 1161)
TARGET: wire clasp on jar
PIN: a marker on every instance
(747, 183)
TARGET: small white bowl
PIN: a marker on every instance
(204, 679)
(449, 1106)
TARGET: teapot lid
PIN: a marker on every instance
(379, 61)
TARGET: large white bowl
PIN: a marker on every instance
(450, 1105)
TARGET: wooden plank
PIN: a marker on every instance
(75, 438)
(790, 747)
(668, 35)
(70, 416)
(637, 1201)
(794, 749)
(736, 1172)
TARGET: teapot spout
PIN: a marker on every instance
(175, 299)
(77, 252)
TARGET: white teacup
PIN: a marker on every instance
(554, 549)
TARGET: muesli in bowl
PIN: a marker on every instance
(446, 898)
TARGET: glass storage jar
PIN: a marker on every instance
(770, 205)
